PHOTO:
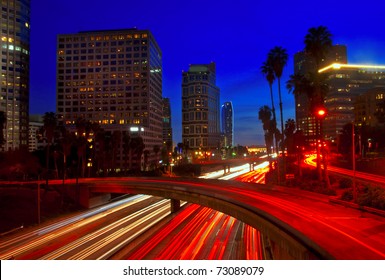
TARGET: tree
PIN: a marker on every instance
(268, 71)
(156, 150)
(289, 135)
(277, 58)
(3, 122)
(116, 141)
(269, 127)
(49, 126)
(137, 146)
(317, 44)
(298, 84)
(126, 148)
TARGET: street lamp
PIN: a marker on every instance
(354, 165)
(320, 114)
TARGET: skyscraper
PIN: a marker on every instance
(200, 108)
(114, 78)
(304, 64)
(228, 124)
(14, 98)
(167, 128)
(346, 83)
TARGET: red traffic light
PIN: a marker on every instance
(320, 112)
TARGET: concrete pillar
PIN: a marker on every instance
(175, 205)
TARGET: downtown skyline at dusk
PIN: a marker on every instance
(192, 131)
(236, 37)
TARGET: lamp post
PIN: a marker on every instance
(320, 114)
(354, 165)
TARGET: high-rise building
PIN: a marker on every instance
(228, 124)
(114, 78)
(367, 105)
(35, 138)
(346, 83)
(200, 108)
(167, 127)
(304, 64)
(14, 98)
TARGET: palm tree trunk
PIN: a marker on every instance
(282, 130)
(47, 165)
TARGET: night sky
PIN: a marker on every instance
(236, 35)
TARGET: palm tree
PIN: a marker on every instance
(3, 121)
(298, 85)
(126, 148)
(277, 58)
(268, 71)
(269, 127)
(317, 44)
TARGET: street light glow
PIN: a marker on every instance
(337, 66)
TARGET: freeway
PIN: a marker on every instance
(42, 240)
(329, 231)
(198, 233)
(367, 177)
(326, 230)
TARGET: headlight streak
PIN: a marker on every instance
(75, 218)
(67, 227)
(104, 231)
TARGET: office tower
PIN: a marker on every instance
(35, 138)
(113, 78)
(167, 128)
(228, 124)
(304, 64)
(367, 105)
(347, 82)
(200, 108)
(14, 98)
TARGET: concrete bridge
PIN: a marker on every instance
(239, 200)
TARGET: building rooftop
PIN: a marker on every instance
(337, 66)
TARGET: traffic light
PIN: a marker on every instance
(320, 112)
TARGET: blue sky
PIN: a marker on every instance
(236, 35)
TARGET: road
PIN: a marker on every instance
(367, 177)
(343, 232)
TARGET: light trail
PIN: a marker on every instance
(109, 233)
(197, 232)
(52, 232)
(75, 218)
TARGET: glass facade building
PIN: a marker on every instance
(228, 124)
(15, 60)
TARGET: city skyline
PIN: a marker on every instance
(237, 39)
